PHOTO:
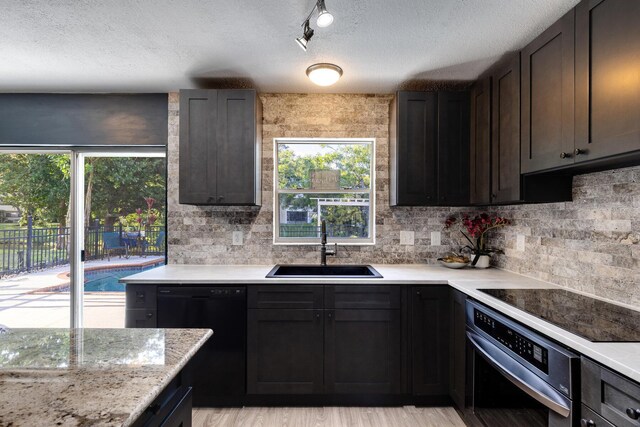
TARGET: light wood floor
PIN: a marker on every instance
(407, 416)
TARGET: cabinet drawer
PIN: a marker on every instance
(286, 296)
(609, 394)
(141, 318)
(141, 296)
(356, 296)
(588, 415)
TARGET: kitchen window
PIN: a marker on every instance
(324, 179)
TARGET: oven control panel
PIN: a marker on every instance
(528, 349)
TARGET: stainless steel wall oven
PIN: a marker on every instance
(519, 378)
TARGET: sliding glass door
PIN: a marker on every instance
(71, 224)
(124, 229)
(35, 215)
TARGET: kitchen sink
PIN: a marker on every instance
(318, 271)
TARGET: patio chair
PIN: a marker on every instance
(158, 244)
(160, 241)
(112, 242)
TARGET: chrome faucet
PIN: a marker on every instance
(323, 241)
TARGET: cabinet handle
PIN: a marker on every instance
(494, 196)
(587, 423)
(317, 315)
(329, 314)
(564, 155)
(579, 151)
(632, 413)
(221, 198)
(418, 293)
(149, 315)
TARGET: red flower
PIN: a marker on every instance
(150, 201)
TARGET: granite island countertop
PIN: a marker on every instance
(621, 357)
(97, 377)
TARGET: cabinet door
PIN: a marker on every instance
(362, 351)
(141, 296)
(284, 351)
(457, 348)
(197, 168)
(140, 318)
(236, 147)
(505, 143)
(480, 140)
(547, 98)
(607, 78)
(453, 148)
(429, 340)
(414, 154)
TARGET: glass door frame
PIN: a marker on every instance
(77, 158)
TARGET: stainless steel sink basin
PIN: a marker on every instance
(320, 271)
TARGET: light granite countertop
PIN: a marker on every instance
(82, 377)
(621, 357)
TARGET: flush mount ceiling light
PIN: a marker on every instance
(324, 74)
(308, 33)
(324, 20)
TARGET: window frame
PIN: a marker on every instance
(371, 191)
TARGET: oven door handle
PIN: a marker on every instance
(520, 376)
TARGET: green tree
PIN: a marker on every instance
(354, 163)
(37, 185)
(120, 185)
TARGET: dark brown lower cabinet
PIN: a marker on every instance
(457, 348)
(285, 351)
(362, 351)
(172, 407)
(342, 351)
(430, 326)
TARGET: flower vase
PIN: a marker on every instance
(483, 261)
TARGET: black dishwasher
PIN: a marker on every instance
(218, 371)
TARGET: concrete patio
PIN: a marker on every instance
(25, 301)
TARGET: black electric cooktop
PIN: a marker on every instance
(595, 320)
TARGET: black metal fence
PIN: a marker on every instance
(33, 248)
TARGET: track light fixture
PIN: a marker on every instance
(325, 18)
(306, 36)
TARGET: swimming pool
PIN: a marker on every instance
(107, 280)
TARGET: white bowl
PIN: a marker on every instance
(455, 265)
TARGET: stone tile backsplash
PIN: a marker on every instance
(591, 244)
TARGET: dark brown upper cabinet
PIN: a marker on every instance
(607, 78)
(505, 135)
(220, 134)
(480, 149)
(429, 154)
(453, 148)
(547, 88)
(495, 135)
(414, 149)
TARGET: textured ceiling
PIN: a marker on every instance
(162, 45)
